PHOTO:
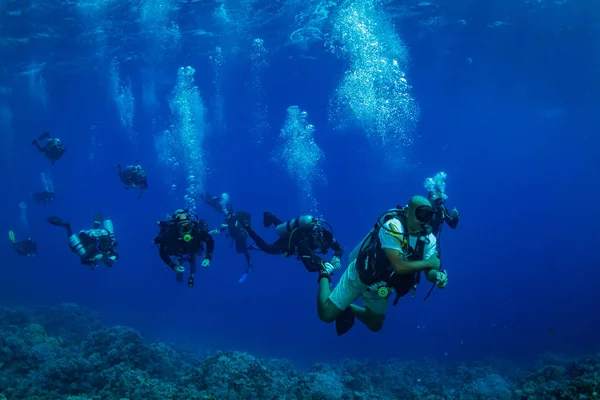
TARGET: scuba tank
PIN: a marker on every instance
(354, 253)
(303, 221)
(108, 225)
(76, 245)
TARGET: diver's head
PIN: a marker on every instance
(420, 213)
(225, 203)
(322, 235)
(437, 199)
(106, 243)
(184, 224)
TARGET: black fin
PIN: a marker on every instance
(344, 322)
(56, 221)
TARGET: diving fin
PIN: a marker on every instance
(344, 322)
(11, 236)
(191, 282)
(56, 221)
(267, 219)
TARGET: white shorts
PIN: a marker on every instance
(350, 288)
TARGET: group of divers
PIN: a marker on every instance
(403, 243)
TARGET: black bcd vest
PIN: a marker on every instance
(373, 265)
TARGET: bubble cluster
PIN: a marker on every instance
(374, 91)
(122, 95)
(157, 26)
(260, 111)
(217, 61)
(186, 138)
(300, 154)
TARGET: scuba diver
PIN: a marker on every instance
(392, 256)
(184, 236)
(302, 236)
(134, 177)
(92, 245)
(436, 187)
(27, 247)
(233, 225)
(44, 197)
(53, 149)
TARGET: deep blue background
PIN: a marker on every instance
(509, 113)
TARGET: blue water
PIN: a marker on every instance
(508, 100)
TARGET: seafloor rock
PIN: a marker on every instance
(67, 353)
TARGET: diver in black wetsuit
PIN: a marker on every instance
(441, 213)
(53, 149)
(184, 236)
(134, 177)
(44, 197)
(233, 225)
(303, 236)
(26, 247)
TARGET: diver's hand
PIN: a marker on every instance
(110, 261)
(442, 279)
(214, 232)
(329, 268)
(205, 263)
(178, 268)
(336, 262)
(454, 213)
(434, 262)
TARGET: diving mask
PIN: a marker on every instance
(424, 214)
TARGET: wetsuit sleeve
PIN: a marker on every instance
(335, 246)
(311, 261)
(162, 252)
(210, 244)
(452, 222)
(264, 246)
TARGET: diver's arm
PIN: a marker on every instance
(335, 246)
(451, 221)
(304, 251)
(210, 244)
(211, 201)
(162, 252)
(404, 267)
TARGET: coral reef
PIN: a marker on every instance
(67, 353)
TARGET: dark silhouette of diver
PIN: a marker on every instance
(92, 245)
(43, 197)
(134, 177)
(53, 148)
(233, 224)
(26, 247)
(183, 236)
(303, 237)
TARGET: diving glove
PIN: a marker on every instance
(336, 262)
(442, 279)
(179, 268)
(205, 263)
(329, 268)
